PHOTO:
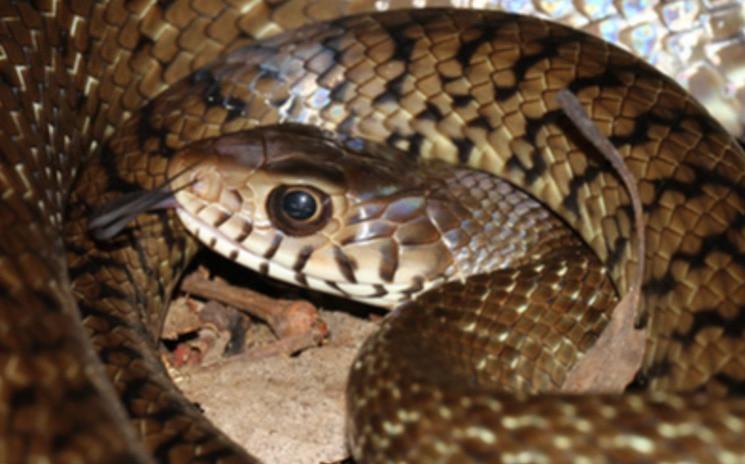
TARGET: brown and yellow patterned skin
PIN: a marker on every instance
(465, 87)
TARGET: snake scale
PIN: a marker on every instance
(78, 82)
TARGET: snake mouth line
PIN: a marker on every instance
(375, 294)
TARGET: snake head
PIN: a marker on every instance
(309, 209)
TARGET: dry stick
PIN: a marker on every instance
(617, 354)
(296, 323)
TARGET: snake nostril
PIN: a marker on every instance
(207, 186)
(200, 187)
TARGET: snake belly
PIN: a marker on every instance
(73, 73)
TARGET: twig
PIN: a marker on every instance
(293, 321)
(620, 342)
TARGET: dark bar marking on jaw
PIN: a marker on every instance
(346, 265)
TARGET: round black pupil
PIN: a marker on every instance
(299, 205)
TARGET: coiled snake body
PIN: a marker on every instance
(465, 87)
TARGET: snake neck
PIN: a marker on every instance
(504, 226)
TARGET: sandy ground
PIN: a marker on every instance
(283, 408)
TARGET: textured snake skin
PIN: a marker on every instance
(71, 74)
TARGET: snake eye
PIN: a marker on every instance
(298, 209)
(299, 205)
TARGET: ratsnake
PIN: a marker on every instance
(78, 82)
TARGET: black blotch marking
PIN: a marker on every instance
(731, 327)
(468, 49)
(734, 386)
(80, 100)
(111, 320)
(639, 133)
(301, 279)
(264, 268)
(532, 173)
(64, 37)
(712, 243)
(212, 96)
(246, 229)
(615, 252)
(608, 78)
(332, 45)
(465, 147)
(461, 101)
(274, 246)
(448, 79)
(114, 182)
(403, 47)
(142, 43)
(393, 90)
(549, 48)
(164, 4)
(643, 378)
(337, 93)
(302, 258)
(702, 177)
(200, 76)
(571, 201)
(94, 263)
(480, 122)
(146, 131)
(539, 167)
(379, 291)
(596, 162)
(431, 113)
(278, 102)
(233, 255)
(413, 142)
(347, 265)
(336, 287)
(389, 263)
(48, 301)
(416, 287)
(660, 285)
(393, 138)
(235, 107)
(23, 397)
(222, 218)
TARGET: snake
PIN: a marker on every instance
(101, 99)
